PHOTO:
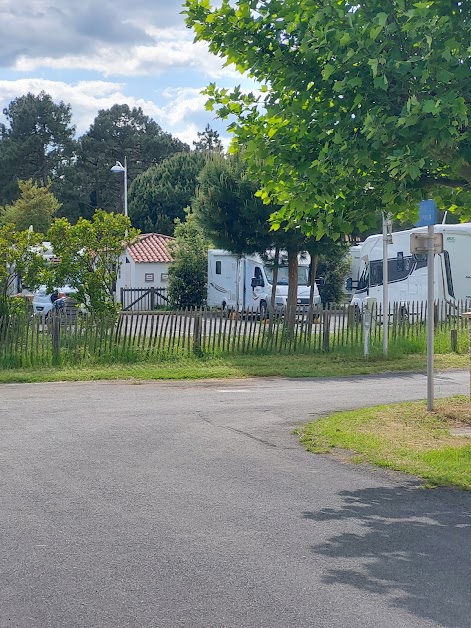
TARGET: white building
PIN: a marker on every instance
(143, 275)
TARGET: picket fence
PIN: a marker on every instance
(72, 338)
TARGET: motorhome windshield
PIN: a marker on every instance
(303, 275)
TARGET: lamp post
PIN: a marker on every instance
(117, 168)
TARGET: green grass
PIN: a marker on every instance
(238, 366)
(404, 437)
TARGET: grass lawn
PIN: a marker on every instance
(301, 365)
(404, 437)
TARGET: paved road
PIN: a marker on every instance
(192, 505)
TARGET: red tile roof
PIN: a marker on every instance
(151, 247)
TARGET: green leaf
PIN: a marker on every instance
(431, 106)
(381, 82)
(327, 71)
(373, 63)
(375, 31)
(382, 19)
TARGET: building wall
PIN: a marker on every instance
(147, 275)
(141, 275)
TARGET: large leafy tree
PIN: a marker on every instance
(116, 133)
(20, 255)
(226, 207)
(235, 219)
(35, 208)
(364, 105)
(89, 253)
(36, 142)
(160, 195)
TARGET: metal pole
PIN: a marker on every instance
(366, 329)
(430, 315)
(125, 186)
(385, 285)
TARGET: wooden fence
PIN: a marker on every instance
(135, 336)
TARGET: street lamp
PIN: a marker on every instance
(118, 168)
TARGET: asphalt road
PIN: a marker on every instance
(192, 504)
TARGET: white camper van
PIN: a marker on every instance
(407, 273)
(245, 283)
(354, 259)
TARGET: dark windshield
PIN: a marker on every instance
(303, 275)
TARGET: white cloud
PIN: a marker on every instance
(171, 55)
(112, 40)
(183, 104)
(182, 113)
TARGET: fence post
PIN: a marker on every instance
(350, 315)
(152, 298)
(467, 315)
(454, 340)
(367, 319)
(122, 298)
(197, 333)
(56, 338)
(326, 330)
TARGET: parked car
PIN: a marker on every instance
(43, 301)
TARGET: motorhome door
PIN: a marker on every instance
(255, 285)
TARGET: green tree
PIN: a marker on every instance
(235, 219)
(89, 253)
(333, 266)
(36, 143)
(209, 141)
(187, 275)
(20, 255)
(226, 207)
(115, 133)
(364, 105)
(36, 207)
(160, 195)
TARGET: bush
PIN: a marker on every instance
(20, 306)
(187, 275)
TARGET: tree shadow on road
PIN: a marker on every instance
(412, 545)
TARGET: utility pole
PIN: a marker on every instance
(387, 239)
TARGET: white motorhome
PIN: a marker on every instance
(407, 273)
(246, 282)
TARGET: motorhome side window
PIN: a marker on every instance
(218, 268)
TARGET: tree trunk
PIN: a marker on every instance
(97, 189)
(44, 172)
(313, 272)
(292, 289)
(275, 279)
(271, 313)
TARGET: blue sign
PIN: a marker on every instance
(427, 213)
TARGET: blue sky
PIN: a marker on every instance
(95, 53)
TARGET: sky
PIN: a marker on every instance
(93, 54)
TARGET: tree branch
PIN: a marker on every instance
(430, 182)
(465, 172)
